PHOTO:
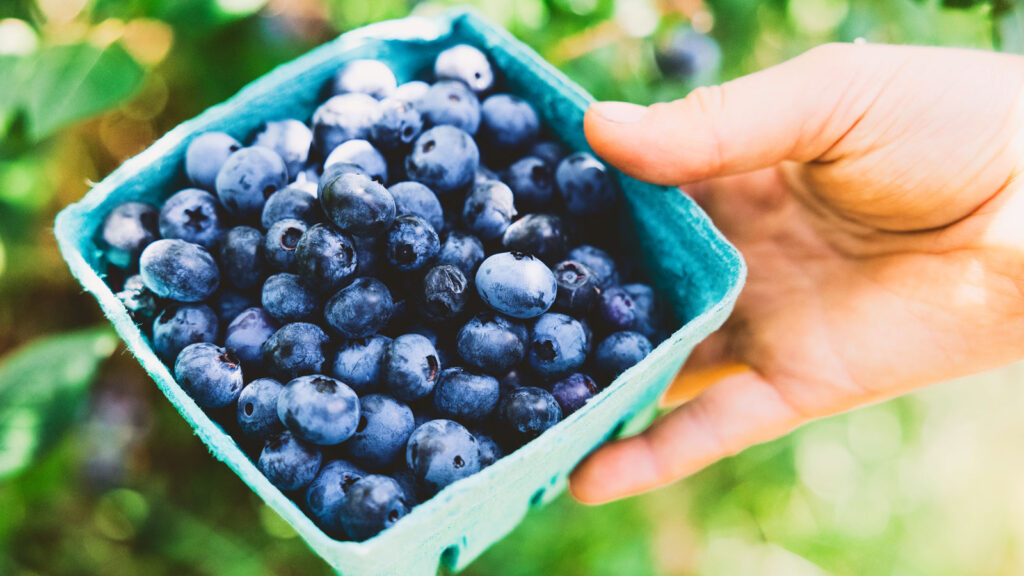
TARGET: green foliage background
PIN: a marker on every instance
(98, 475)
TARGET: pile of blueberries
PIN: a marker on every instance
(390, 298)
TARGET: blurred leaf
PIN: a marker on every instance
(1008, 25)
(41, 388)
(68, 83)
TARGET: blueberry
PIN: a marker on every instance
(548, 151)
(410, 367)
(619, 352)
(598, 262)
(357, 205)
(295, 349)
(342, 118)
(464, 251)
(384, 427)
(360, 309)
(412, 243)
(142, 304)
(319, 409)
(291, 139)
(444, 158)
(465, 64)
(452, 104)
(179, 270)
(491, 343)
(532, 181)
(281, 242)
(371, 77)
(373, 504)
(516, 284)
(411, 91)
(287, 299)
(539, 234)
(246, 334)
(126, 231)
(257, 409)
(688, 55)
(227, 304)
(527, 412)
(398, 126)
(326, 259)
(585, 185)
(558, 345)
(464, 396)
(440, 452)
(573, 391)
(193, 215)
(205, 156)
(289, 463)
(293, 202)
(489, 209)
(241, 257)
(645, 309)
(180, 325)
(327, 493)
(616, 310)
(490, 452)
(508, 123)
(358, 362)
(578, 290)
(362, 154)
(416, 199)
(248, 178)
(209, 374)
(445, 293)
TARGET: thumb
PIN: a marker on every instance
(794, 111)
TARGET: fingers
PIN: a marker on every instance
(787, 112)
(739, 411)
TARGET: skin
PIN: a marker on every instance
(875, 194)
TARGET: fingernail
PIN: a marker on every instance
(619, 112)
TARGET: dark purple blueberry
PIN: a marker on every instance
(289, 463)
(281, 243)
(440, 452)
(294, 350)
(257, 409)
(539, 234)
(527, 412)
(195, 216)
(573, 391)
(246, 334)
(357, 205)
(360, 309)
(179, 270)
(319, 409)
(209, 374)
(241, 257)
(578, 291)
(358, 363)
(384, 427)
(373, 504)
(465, 397)
(325, 258)
(180, 325)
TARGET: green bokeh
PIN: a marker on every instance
(923, 485)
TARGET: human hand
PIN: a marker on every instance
(875, 193)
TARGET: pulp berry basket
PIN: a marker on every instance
(690, 263)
